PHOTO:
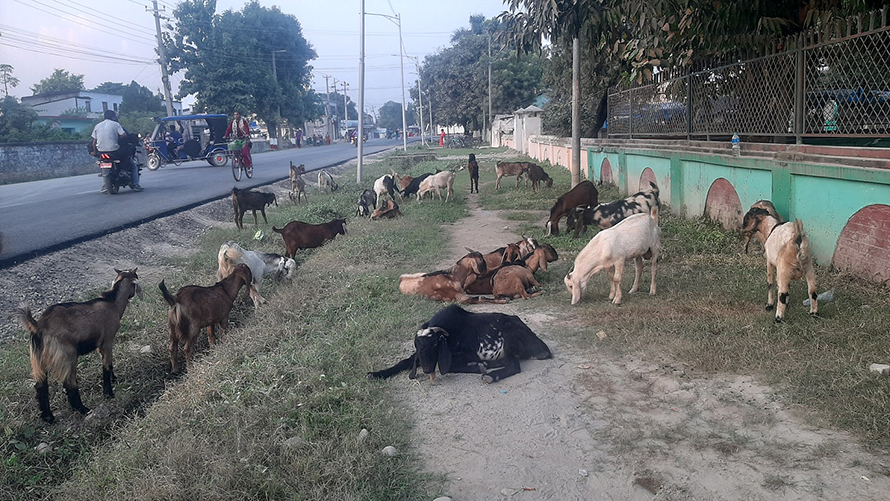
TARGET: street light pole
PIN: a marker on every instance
(419, 98)
(359, 140)
(397, 20)
(277, 105)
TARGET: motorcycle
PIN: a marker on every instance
(115, 172)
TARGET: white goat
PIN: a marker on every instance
(441, 180)
(787, 251)
(260, 263)
(325, 180)
(636, 237)
(385, 185)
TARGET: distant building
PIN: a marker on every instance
(51, 108)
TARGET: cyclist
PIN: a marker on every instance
(239, 129)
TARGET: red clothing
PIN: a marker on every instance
(241, 130)
(442, 138)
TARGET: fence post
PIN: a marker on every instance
(630, 107)
(689, 107)
(799, 90)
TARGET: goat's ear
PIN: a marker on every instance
(117, 271)
(444, 355)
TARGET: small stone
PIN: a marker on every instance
(43, 448)
(363, 435)
(389, 451)
(881, 369)
(145, 350)
(583, 472)
(601, 335)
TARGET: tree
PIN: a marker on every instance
(139, 99)
(59, 81)
(113, 88)
(7, 79)
(390, 115)
(18, 123)
(227, 59)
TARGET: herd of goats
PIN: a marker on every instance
(454, 340)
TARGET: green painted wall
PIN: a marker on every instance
(824, 197)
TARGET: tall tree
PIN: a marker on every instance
(138, 99)
(227, 59)
(59, 81)
(390, 115)
(113, 88)
(7, 79)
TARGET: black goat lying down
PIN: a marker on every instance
(460, 341)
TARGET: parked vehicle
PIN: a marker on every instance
(194, 137)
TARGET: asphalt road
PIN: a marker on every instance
(43, 216)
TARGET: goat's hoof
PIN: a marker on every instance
(488, 379)
(769, 307)
(48, 417)
(779, 320)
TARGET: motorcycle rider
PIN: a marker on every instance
(106, 135)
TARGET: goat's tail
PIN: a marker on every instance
(23, 312)
(803, 243)
(278, 230)
(167, 296)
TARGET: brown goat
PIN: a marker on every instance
(787, 251)
(297, 184)
(510, 169)
(771, 210)
(448, 285)
(536, 175)
(195, 307)
(473, 168)
(584, 193)
(508, 281)
(246, 200)
(502, 256)
(299, 235)
(67, 330)
(539, 258)
(389, 212)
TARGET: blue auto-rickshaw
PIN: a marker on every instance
(193, 137)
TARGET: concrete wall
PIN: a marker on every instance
(21, 162)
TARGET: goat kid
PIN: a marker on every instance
(326, 181)
(473, 168)
(584, 193)
(389, 212)
(508, 281)
(539, 258)
(366, 201)
(68, 330)
(195, 307)
(442, 180)
(260, 263)
(448, 285)
(609, 214)
(246, 200)
(537, 175)
(297, 184)
(636, 237)
(787, 251)
(456, 340)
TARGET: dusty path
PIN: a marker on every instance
(587, 426)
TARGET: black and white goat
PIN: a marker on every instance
(459, 341)
(609, 214)
(367, 202)
(260, 263)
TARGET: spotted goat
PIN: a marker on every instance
(455, 340)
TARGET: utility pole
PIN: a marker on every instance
(359, 140)
(162, 59)
(345, 107)
(419, 98)
(327, 108)
(490, 116)
(277, 105)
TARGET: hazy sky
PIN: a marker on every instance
(37, 36)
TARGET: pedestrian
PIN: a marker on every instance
(442, 138)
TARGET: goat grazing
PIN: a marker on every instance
(584, 193)
(473, 168)
(297, 184)
(442, 180)
(260, 263)
(195, 307)
(456, 340)
(448, 285)
(385, 185)
(68, 330)
(299, 235)
(246, 200)
(636, 237)
(389, 212)
(366, 202)
(769, 208)
(787, 250)
(536, 175)
(326, 181)
(410, 188)
(609, 214)
(510, 169)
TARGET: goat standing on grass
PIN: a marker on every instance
(769, 208)
(195, 307)
(67, 330)
(247, 200)
(787, 250)
(473, 168)
(297, 184)
(442, 180)
(459, 341)
(326, 181)
(636, 237)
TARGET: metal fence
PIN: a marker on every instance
(827, 82)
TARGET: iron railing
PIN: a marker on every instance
(828, 82)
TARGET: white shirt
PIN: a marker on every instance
(106, 133)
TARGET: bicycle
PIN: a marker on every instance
(238, 166)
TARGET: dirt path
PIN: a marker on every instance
(587, 426)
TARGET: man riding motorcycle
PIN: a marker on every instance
(106, 136)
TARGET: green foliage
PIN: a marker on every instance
(7, 79)
(138, 98)
(138, 122)
(18, 123)
(227, 59)
(59, 81)
(390, 116)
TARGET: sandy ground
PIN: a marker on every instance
(582, 426)
(587, 426)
